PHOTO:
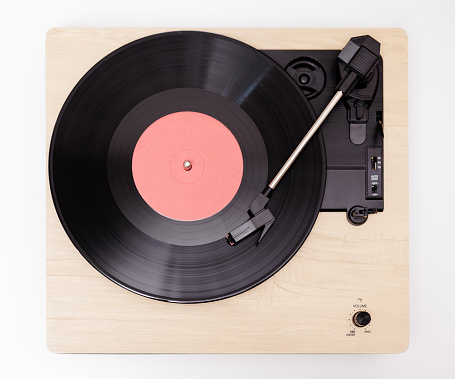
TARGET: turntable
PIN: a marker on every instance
(164, 148)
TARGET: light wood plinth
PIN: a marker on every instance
(304, 308)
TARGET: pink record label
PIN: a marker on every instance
(200, 142)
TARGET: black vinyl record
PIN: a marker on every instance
(92, 182)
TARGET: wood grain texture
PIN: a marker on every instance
(306, 306)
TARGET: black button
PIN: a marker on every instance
(304, 79)
(361, 319)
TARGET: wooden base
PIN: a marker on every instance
(307, 306)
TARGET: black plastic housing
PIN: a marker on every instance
(347, 163)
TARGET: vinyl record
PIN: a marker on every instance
(117, 174)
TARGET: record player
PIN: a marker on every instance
(162, 149)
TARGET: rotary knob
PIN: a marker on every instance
(361, 319)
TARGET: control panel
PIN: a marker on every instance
(374, 173)
(360, 319)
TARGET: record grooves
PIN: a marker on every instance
(92, 183)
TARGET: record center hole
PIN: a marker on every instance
(187, 165)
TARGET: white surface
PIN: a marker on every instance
(431, 32)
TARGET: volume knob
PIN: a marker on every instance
(361, 319)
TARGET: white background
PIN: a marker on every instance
(431, 32)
